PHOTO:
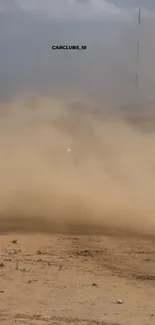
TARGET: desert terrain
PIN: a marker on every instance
(61, 279)
(77, 216)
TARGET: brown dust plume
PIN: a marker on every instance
(104, 183)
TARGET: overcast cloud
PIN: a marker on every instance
(104, 73)
(92, 10)
(147, 4)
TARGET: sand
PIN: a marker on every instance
(62, 279)
(99, 196)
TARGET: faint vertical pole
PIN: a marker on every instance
(138, 50)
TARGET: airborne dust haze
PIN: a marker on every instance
(105, 183)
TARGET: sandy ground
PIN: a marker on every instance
(74, 280)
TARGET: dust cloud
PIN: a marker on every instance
(105, 183)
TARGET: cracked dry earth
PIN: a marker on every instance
(74, 280)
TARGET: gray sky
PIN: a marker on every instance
(148, 4)
(105, 73)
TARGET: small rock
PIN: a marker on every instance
(118, 302)
(1, 264)
(94, 285)
(14, 241)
